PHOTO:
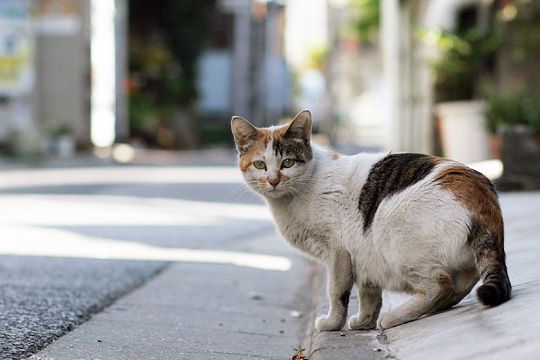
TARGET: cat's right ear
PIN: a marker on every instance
(244, 132)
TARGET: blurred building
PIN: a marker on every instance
(194, 64)
(248, 75)
(409, 81)
(45, 71)
(382, 92)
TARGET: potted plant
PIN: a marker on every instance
(515, 117)
(457, 72)
(59, 141)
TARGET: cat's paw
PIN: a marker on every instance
(328, 323)
(362, 323)
(387, 321)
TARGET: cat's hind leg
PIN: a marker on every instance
(370, 305)
(340, 282)
(428, 293)
(463, 284)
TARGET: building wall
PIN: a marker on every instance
(63, 77)
(58, 92)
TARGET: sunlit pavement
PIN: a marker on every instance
(74, 239)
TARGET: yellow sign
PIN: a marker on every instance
(16, 48)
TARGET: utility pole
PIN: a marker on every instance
(255, 41)
(390, 35)
(121, 73)
(257, 62)
(241, 85)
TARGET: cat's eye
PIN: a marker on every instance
(259, 165)
(287, 163)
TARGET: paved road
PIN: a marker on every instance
(75, 239)
(42, 298)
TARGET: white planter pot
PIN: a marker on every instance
(463, 130)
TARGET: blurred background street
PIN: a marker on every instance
(76, 238)
(117, 166)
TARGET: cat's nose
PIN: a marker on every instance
(273, 182)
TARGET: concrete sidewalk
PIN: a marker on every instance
(469, 330)
(239, 313)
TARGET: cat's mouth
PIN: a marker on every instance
(274, 192)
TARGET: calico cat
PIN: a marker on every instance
(403, 222)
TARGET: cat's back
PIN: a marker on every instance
(364, 181)
(417, 196)
(345, 172)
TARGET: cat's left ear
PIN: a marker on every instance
(300, 127)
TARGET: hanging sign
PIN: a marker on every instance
(16, 48)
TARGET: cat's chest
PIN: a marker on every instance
(308, 229)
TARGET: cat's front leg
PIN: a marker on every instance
(340, 282)
(370, 305)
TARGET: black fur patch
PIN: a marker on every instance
(483, 241)
(344, 298)
(496, 288)
(390, 175)
(299, 150)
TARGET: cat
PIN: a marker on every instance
(403, 222)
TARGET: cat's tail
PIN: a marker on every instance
(489, 256)
(496, 288)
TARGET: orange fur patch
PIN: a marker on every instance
(437, 160)
(264, 136)
(446, 282)
(256, 148)
(476, 192)
(334, 155)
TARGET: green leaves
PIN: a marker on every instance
(367, 20)
(516, 108)
(462, 61)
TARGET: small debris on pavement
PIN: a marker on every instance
(100, 340)
(299, 355)
(377, 349)
(281, 331)
(282, 320)
(342, 334)
(296, 314)
(255, 296)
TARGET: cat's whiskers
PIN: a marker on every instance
(256, 185)
(242, 191)
(238, 191)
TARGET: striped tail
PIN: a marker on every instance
(488, 247)
(496, 288)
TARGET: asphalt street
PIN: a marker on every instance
(43, 298)
(75, 239)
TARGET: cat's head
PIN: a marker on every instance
(275, 161)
